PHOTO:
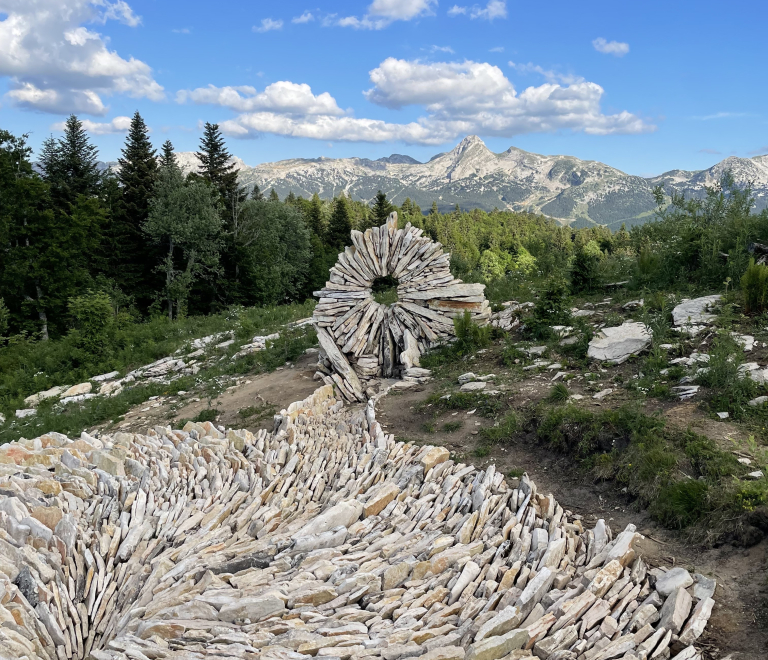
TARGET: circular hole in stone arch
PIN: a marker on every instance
(384, 290)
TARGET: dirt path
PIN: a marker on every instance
(261, 396)
(739, 624)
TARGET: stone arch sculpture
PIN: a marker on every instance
(363, 339)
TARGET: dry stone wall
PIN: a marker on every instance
(362, 339)
(324, 538)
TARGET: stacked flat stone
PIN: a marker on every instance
(325, 538)
(362, 339)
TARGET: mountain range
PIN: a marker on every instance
(573, 191)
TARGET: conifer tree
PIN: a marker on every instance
(315, 216)
(48, 252)
(168, 156)
(215, 165)
(340, 224)
(137, 176)
(381, 209)
(273, 196)
(70, 165)
(256, 193)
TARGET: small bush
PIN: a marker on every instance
(94, 321)
(510, 352)
(731, 390)
(487, 406)
(680, 504)
(504, 431)
(551, 308)
(586, 268)
(754, 284)
(469, 335)
(207, 415)
(450, 427)
(558, 394)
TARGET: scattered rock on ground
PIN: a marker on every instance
(618, 343)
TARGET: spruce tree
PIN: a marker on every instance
(256, 193)
(168, 156)
(273, 196)
(70, 165)
(340, 224)
(314, 216)
(215, 165)
(137, 176)
(48, 251)
(381, 209)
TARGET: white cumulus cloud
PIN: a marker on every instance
(494, 9)
(382, 13)
(548, 74)
(283, 97)
(306, 17)
(268, 24)
(617, 48)
(117, 125)
(117, 11)
(55, 64)
(457, 99)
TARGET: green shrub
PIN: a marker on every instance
(487, 406)
(585, 273)
(469, 335)
(731, 390)
(681, 503)
(206, 415)
(754, 284)
(558, 394)
(491, 266)
(94, 321)
(551, 308)
(504, 431)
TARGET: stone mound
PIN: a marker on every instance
(363, 339)
(324, 538)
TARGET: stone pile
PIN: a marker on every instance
(325, 538)
(164, 370)
(509, 317)
(362, 339)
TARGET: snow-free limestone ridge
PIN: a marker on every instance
(361, 339)
(472, 176)
(324, 538)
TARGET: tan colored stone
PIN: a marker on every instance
(497, 647)
(48, 515)
(434, 456)
(383, 496)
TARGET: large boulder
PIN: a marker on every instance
(695, 311)
(618, 343)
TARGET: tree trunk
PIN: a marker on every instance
(168, 276)
(40, 312)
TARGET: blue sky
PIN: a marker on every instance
(645, 87)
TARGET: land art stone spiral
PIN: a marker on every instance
(362, 339)
(324, 538)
